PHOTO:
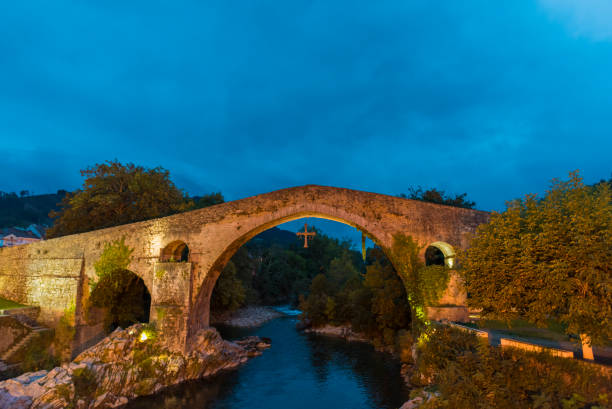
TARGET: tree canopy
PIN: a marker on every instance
(114, 194)
(434, 195)
(547, 258)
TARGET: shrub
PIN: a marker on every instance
(85, 383)
(38, 357)
(471, 374)
(64, 336)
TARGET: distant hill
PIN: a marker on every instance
(273, 236)
(22, 211)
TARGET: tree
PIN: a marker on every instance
(317, 305)
(438, 196)
(114, 194)
(207, 200)
(547, 258)
(229, 293)
(389, 304)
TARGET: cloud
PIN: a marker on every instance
(489, 98)
(590, 18)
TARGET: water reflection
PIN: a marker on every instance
(299, 371)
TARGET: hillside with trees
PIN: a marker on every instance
(24, 209)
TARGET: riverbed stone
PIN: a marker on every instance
(121, 367)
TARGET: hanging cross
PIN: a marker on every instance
(305, 234)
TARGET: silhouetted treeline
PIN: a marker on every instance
(328, 280)
(23, 209)
(275, 268)
(438, 196)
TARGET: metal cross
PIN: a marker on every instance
(305, 234)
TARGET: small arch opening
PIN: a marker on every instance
(120, 299)
(434, 256)
(176, 251)
(440, 254)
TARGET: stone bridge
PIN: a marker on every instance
(55, 274)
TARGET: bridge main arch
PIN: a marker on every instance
(200, 314)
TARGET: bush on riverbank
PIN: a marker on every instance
(374, 304)
(471, 374)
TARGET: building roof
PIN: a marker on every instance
(20, 233)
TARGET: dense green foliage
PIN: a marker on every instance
(116, 255)
(432, 281)
(405, 254)
(206, 200)
(119, 292)
(438, 196)
(64, 335)
(114, 194)
(38, 356)
(229, 292)
(547, 258)
(424, 284)
(471, 374)
(274, 268)
(373, 303)
(26, 209)
(333, 284)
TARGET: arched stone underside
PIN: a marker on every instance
(180, 290)
(201, 308)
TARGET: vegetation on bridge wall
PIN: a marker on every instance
(119, 292)
(424, 284)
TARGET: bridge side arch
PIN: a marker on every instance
(447, 250)
(176, 250)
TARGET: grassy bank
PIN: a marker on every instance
(8, 304)
(468, 373)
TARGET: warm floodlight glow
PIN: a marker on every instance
(450, 262)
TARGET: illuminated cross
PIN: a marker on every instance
(305, 234)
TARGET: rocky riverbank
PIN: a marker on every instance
(339, 331)
(246, 317)
(123, 366)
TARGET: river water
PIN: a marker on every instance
(298, 371)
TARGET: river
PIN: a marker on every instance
(298, 371)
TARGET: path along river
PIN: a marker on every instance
(298, 371)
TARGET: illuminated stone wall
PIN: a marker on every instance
(54, 273)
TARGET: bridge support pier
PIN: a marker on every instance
(170, 303)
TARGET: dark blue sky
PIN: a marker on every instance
(492, 98)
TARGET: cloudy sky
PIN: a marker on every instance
(492, 98)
